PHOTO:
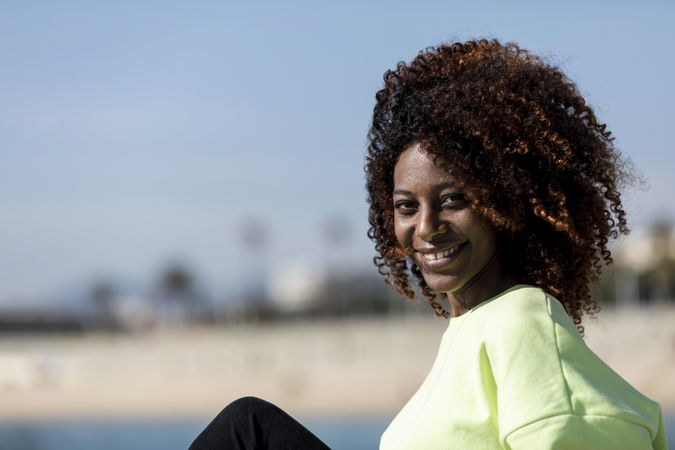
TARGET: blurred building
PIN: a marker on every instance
(644, 266)
(300, 288)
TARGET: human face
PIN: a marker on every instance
(452, 244)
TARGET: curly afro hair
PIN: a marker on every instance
(538, 164)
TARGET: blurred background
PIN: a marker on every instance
(184, 215)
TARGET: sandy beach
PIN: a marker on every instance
(359, 366)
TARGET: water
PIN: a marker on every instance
(339, 433)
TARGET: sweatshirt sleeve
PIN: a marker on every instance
(567, 432)
(553, 392)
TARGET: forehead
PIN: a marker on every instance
(415, 167)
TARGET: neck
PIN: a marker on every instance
(487, 283)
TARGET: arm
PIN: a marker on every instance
(583, 432)
(553, 392)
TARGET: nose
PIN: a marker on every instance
(429, 225)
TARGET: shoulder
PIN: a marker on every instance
(521, 331)
(543, 369)
(525, 312)
(520, 342)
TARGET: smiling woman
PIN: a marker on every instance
(493, 187)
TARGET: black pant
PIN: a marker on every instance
(251, 424)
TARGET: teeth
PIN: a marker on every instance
(444, 254)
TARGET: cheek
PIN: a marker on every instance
(486, 238)
(402, 233)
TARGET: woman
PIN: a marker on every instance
(492, 185)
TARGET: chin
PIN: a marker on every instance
(442, 284)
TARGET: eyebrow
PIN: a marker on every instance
(440, 187)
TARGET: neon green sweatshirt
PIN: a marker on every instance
(514, 373)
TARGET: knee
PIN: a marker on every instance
(235, 421)
(247, 405)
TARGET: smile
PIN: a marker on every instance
(440, 259)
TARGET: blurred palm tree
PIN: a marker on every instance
(179, 298)
(177, 281)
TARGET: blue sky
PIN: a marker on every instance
(134, 133)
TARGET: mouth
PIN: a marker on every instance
(436, 260)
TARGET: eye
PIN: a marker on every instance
(405, 207)
(454, 199)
